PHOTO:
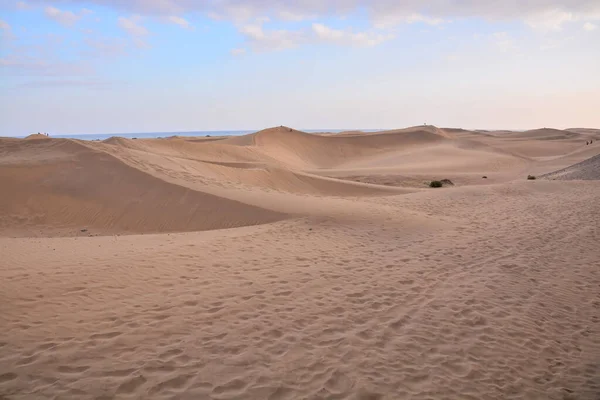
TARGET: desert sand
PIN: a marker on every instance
(288, 265)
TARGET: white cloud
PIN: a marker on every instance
(273, 39)
(504, 42)
(588, 26)
(135, 29)
(6, 32)
(391, 20)
(263, 39)
(377, 8)
(182, 22)
(550, 20)
(554, 19)
(132, 25)
(545, 15)
(238, 52)
(292, 16)
(21, 5)
(325, 33)
(413, 18)
(65, 18)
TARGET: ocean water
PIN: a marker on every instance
(150, 135)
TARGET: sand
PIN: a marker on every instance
(584, 170)
(287, 265)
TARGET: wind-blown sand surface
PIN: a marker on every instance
(287, 265)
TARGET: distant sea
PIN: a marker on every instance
(150, 135)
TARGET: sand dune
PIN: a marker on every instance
(544, 134)
(63, 185)
(586, 133)
(303, 150)
(36, 136)
(585, 170)
(342, 274)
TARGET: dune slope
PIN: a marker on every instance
(585, 170)
(66, 186)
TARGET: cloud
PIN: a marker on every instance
(545, 16)
(391, 20)
(65, 18)
(273, 39)
(379, 10)
(21, 5)
(262, 39)
(327, 34)
(6, 32)
(238, 52)
(588, 26)
(135, 29)
(132, 25)
(292, 16)
(550, 20)
(504, 42)
(182, 22)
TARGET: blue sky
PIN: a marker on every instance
(104, 66)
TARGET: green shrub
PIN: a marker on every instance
(531, 177)
(435, 184)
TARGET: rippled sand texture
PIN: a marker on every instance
(117, 279)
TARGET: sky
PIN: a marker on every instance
(118, 66)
